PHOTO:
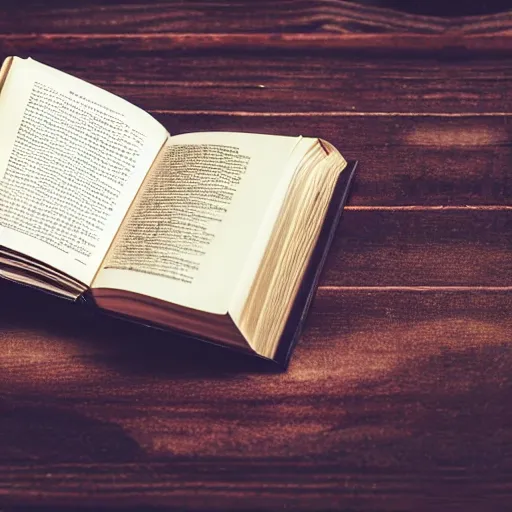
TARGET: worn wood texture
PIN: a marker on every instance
(391, 397)
(240, 16)
(263, 73)
(397, 397)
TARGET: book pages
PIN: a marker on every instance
(72, 158)
(191, 228)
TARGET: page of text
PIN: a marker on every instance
(72, 157)
(189, 231)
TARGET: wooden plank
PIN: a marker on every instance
(308, 483)
(49, 342)
(405, 160)
(200, 16)
(400, 44)
(58, 350)
(436, 160)
(353, 87)
(168, 73)
(390, 396)
(418, 245)
(500, 22)
(422, 248)
(451, 11)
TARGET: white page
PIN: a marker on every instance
(72, 157)
(211, 284)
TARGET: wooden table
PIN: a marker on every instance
(399, 394)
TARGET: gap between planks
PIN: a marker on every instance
(426, 208)
(400, 39)
(328, 288)
(456, 42)
(340, 113)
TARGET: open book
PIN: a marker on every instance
(212, 234)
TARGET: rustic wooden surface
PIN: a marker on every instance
(398, 395)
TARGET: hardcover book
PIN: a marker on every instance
(218, 235)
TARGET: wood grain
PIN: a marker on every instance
(202, 16)
(497, 23)
(255, 74)
(455, 45)
(223, 16)
(437, 158)
(397, 396)
(391, 396)
(422, 248)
